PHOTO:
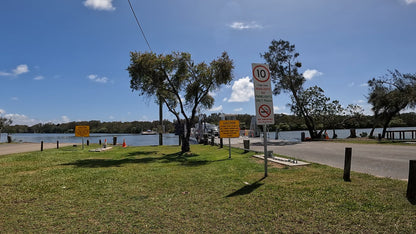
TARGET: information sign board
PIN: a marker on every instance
(82, 131)
(263, 94)
(229, 128)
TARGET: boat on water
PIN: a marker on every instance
(149, 132)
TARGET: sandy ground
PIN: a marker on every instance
(27, 147)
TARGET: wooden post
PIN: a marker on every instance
(221, 143)
(57, 144)
(246, 145)
(411, 183)
(212, 140)
(41, 146)
(347, 164)
(99, 142)
(88, 142)
(114, 140)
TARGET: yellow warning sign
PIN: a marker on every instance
(229, 128)
(82, 131)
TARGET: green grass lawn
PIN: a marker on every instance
(155, 189)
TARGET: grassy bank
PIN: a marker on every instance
(155, 189)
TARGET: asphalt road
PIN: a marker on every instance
(375, 159)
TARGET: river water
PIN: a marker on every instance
(168, 139)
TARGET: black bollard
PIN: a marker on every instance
(347, 164)
(57, 144)
(41, 146)
(411, 182)
(99, 142)
(88, 142)
(221, 143)
(246, 145)
(302, 136)
(114, 140)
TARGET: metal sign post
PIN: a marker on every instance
(265, 149)
(264, 101)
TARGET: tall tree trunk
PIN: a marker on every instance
(185, 140)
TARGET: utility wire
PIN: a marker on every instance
(138, 23)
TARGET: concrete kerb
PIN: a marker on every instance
(238, 143)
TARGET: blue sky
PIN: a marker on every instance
(66, 61)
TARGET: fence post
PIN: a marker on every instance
(41, 146)
(411, 183)
(347, 164)
(221, 143)
(114, 140)
(57, 144)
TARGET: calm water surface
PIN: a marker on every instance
(168, 139)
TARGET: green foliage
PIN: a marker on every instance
(183, 86)
(391, 94)
(310, 104)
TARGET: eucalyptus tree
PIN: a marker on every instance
(391, 94)
(179, 83)
(308, 104)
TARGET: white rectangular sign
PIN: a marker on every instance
(263, 93)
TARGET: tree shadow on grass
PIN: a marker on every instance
(247, 189)
(182, 159)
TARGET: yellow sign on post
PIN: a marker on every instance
(229, 128)
(82, 131)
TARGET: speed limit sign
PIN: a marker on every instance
(261, 72)
(263, 94)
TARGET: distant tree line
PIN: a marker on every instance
(96, 126)
(283, 122)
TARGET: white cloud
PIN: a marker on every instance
(238, 109)
(39, 78)
(216, 109)
(22, 68)
(276, 109)
(213, 94)
(351, 84)
(410, 1)
(14, 98)
(106, 5)
(19, 119)
(65, 119)
(242, 90)
(2, 111)
(242, 26)
(364, 85)
(97, 79)
(5, 73)
(310, 73)
(224, 99)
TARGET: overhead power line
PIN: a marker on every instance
(141, 29)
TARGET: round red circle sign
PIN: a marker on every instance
(261, 73)
(265, 111)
